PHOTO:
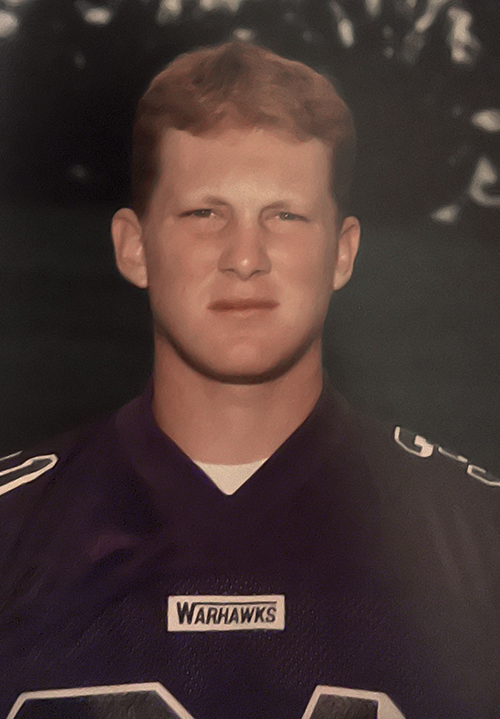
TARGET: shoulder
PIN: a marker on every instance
(440, 532)
(24, 467)
(404, 458)
(45, 473)
(424, 495)
(34, 467)
(439, 512)
(24, 474)
(401, 465)
(418, 446)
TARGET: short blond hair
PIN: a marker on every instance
(259, 88)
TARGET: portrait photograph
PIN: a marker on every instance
(249, 359)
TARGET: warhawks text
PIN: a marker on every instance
(224, 613)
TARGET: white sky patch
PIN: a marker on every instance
(79, 60)
(487, 120)
(345, 28)
(413, 42)
(346, 32)
(447, 215)
(244, 34)
(426, 20)
(9, 24)
(168, 10)
(484, 177)
(416, 37)
(373, 7)
(463, 44)
(231, 5)
(95, 14)
(79, 173)
(408, 5)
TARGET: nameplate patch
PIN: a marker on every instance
(225, 613)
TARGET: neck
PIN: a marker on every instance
(222, 423)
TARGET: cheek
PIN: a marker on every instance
(310, 272)
(178, 287)
(167, 267)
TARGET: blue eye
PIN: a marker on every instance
(289, 216)
(204, 213)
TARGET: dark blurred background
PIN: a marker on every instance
(414, 339)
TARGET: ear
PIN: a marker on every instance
(126, 231)
(347, 249)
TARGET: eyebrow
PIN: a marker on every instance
(289, 204)
(210, 200)
(217, 200)
(282, 204)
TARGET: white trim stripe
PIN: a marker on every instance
(51, 460)
(155, 687)
(9, 456)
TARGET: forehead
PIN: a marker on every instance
(226, 155)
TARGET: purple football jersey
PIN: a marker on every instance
(354, 575)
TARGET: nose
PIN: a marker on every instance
(245, 253)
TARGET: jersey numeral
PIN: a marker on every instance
(153, 701)
(135, 701)
(340, 703)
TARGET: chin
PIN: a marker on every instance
(247, 370)
(244, 364)
(243, 375)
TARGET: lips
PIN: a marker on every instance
(242, 305)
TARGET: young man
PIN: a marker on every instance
(236, 543)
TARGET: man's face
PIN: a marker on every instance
(242, 249)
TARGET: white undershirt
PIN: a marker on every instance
(230, 477)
